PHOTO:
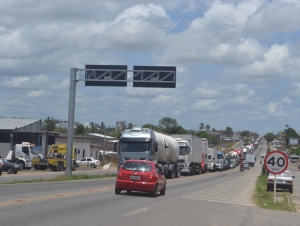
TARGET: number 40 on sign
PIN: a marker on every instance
(276, 162)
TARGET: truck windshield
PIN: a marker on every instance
(209, 156)
(219, 156)
(183, 151)
(33, 150)
(135, 147)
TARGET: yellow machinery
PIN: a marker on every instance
(56, 158)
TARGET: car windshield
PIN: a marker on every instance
(135, 147)
(137, 166)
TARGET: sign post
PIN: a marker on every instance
(276, 162)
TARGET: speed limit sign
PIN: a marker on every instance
(276, 162)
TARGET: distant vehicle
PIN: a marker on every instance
(246, 165)
(10, 167)
(283, 181)
(141, 175)
(147, 144)
(212, 158)
(23, 154)
(89, 161)
(56, 158)
(192, 153)
(250, 159)
(294, 158)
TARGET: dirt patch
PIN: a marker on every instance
(296, 200)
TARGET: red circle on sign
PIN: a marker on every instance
(280, 153)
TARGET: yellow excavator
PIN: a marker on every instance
(56, 158)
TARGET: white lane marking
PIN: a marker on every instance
(136, 211)
(211, 200)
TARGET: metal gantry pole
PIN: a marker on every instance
(71, 121)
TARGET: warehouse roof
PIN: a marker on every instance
(22, 125)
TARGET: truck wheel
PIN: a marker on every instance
(178, 171)
(154, 192)
(59, 166)
(192, 169)
(9, 170)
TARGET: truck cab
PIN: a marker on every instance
(220, 161)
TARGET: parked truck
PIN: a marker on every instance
(250, 159)
(192, 153)
(22, 154)
(56, 158)
(212, 158)
(147, 144)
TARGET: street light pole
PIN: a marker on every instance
(47, 134)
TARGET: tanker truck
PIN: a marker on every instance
(192, 153)
(147, 144)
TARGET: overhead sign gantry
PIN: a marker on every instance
(114, 75)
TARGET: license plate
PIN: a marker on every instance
(135, 177)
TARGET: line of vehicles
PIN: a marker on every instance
(174, 155)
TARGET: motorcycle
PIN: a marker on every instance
(241, 167)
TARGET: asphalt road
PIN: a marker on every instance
(221, 198)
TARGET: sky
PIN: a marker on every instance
(237, 62)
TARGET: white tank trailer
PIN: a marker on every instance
(192, 153)
(146, 144)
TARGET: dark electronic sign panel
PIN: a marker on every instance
(107, 76)
(154, 76)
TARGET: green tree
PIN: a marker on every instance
(201, 126)
(50, 124)
(207, 127)
(60, 130)
(167, 125)
(269, 136)
(202, 134)
(229, 131)
(80, 130)
(214, 140)
(150, 126)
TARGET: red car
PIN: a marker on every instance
(141, 175)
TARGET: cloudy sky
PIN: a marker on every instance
(238, 62)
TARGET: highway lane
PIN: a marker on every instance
(222, 198)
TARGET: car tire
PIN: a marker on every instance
(163, 191)
(9, 170)
(154, 192)
(15, 172)
(117, 191)
(291, 190)
(93, 166)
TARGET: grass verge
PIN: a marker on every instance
(265, 199)
(62, 178)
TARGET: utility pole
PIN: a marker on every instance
(104, 145)
(46, 144)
